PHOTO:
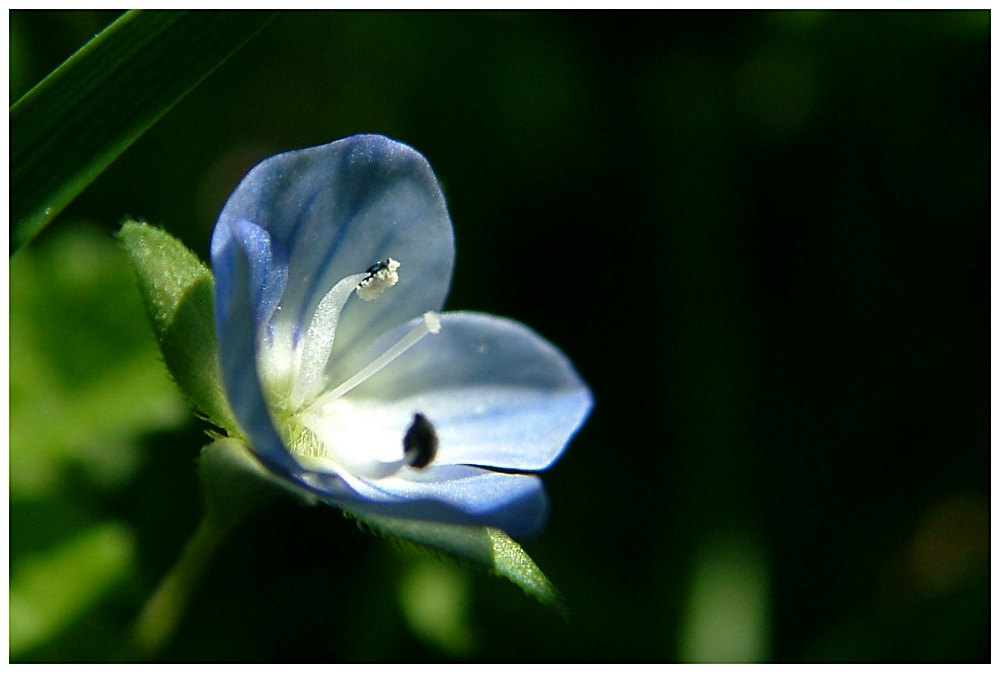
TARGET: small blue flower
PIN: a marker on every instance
(331, 264)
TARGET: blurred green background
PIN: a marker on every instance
(763, 238)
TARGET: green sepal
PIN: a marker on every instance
(487, 548)
(177, 290)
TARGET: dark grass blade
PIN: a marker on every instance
(71, 126)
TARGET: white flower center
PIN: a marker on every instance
(322, 430)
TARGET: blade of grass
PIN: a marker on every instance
(70, 127)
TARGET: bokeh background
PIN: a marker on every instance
(763, 238)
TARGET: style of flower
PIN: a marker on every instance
(331, 264)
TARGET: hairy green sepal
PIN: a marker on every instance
(487, 547)
(177, 290)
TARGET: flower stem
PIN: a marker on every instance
(161, 614)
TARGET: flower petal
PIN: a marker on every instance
(334, 210)
(241, 259)
(497, 394)
(456, 494)
(264, 277)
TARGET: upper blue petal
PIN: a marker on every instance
(301, 221)
(334, 210)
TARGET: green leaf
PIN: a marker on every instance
(70, 127)
(178, 292)
(489, 548)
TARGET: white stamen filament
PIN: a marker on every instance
(431, 324)
(315, 347)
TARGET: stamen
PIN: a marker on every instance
(311, 357)
(313, 351)
(381, 276)
(431, 324)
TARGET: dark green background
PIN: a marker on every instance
(763, 238)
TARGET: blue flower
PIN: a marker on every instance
(331, 264)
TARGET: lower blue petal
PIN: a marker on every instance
(454, 494)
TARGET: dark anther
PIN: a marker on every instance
(376, 267)
(420, 443)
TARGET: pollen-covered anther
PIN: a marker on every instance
(381, 276)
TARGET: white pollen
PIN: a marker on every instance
(380, 277)
(433, 322)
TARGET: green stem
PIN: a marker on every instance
(161, 615)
